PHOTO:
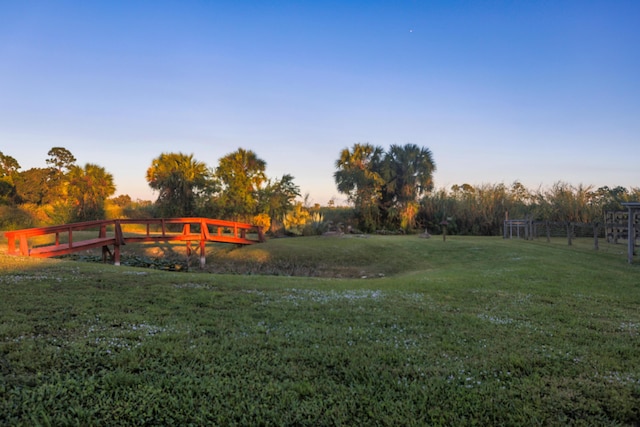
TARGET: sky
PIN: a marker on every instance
(500, 91)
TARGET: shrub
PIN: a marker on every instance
(15, 218)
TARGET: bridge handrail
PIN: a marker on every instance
(24, 234)
(42, 231)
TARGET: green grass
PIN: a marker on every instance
(388, 331)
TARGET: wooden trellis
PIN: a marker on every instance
(633, 227)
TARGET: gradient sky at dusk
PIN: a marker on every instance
(535, 91)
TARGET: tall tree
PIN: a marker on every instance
(241, 175)
(179, 180)
(61, 159)
(568, 203)
(278, 198)
(34, 186)
(8, 165)
(8, 172)
(89, 187)
(611, 199)
(60, 162)
(408, 174)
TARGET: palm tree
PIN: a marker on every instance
(179, 180)
(240, 175)
(358, 176)
(88, 188)
(408, 172)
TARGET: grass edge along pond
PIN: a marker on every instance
(474, 331)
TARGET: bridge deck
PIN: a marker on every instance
(66, 248)
(110, 233)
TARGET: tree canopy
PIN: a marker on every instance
(61, 159)
(277, 198)
(385, 187)
(8, 172)
(89, 187)
(240, 175)
(390, 190)
(359, 177)
(179, 180)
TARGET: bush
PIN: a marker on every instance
(15, 218)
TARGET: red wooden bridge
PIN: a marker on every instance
(119, 232)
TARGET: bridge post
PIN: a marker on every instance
(119, 240)
(204, 235)
(105, 251)
(24, 246)
(116, 255)
(11, 242)
(203, 259)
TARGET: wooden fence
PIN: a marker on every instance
(617, 225)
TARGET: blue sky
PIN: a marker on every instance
(534, 91)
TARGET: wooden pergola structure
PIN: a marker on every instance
(633, 207)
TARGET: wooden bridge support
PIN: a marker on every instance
(203, 259)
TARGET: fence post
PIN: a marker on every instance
(547, 230)
(531, 230)
(569, 233)
(595, 236)
(534, 230)
(631, 236)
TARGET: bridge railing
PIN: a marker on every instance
(110, 232)
(23, 236)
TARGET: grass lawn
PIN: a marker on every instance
(383, 330)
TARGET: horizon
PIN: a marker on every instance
(342, 201)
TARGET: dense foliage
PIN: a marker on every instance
(62, 192)
(179, 180)
(388, 192)
(88, 189)
(385, 187)
(481, 210)
(237, 189)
